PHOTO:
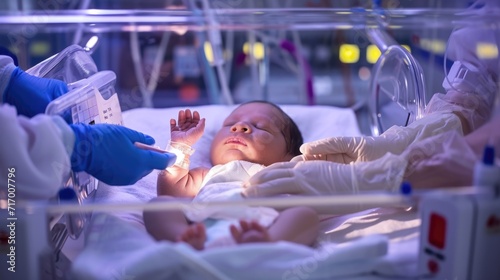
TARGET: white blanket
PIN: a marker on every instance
(122, 251)
(121, 248)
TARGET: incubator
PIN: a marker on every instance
(360, 69)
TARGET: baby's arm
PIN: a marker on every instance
(179, 181)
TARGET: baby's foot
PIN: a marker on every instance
(195, 235)
(250, 232)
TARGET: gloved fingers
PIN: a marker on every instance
(271, 188)
(440, 161)
(58, 88)
(136, 136)
(298, 158)
(279, 165)
(158, 160)
(313, 151)
(338, 158)
(308, 157)
(333, 145)
(267, 175)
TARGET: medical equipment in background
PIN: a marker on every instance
(460, 233)
(397, 79)
(215, 51)
(69, 65)
(91, 99)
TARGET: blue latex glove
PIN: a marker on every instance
(31, 95)
(107, 152)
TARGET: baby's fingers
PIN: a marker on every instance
(196, 116)
(173, 125)
(189, 116)
(181, 117)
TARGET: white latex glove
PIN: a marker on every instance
(367, 148)
(445, 160)
(324, 178)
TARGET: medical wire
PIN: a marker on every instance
(304, 71)
(79, 31)
(230, 55)
(214, 38)
(254, 71)
(285, 60)
(147, 90)
(139, 74)
(160, 54)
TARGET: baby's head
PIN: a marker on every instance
(259, 132)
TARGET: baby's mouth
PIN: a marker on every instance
(234, 140)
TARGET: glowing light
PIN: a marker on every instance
(435, 46)
(39, 48)
(189, 92)
(258, 50)
(209, 54)
(438, 46)
(372, 54)
(179, 29)
(425, 44)
(487, 50)
(364, 73)
(349, 53)
(92, 42)
(407, 48)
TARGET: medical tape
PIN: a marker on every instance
(182, 151)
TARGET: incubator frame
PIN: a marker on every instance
(258, 19)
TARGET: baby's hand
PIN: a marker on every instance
(188, 129)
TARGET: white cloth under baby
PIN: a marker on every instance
(222, 183)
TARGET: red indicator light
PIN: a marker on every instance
(437, 231)
(433, 266)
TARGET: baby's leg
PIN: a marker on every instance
(172, 225)
(298, 224)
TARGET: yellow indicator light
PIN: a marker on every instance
(349, 53)
(258, 50)
(39, 48)
(435, 46)
(486, 50)
(209, 54)
(407, 48)
(438, 46)
(372, 54)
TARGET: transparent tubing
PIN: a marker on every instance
(215, 40)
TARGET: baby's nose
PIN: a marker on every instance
(241, 127)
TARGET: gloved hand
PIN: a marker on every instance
(31, 95)
(368, 148)
(444, 160)
(325, 178)
(188, 129)
(107, 152)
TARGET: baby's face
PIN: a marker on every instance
(252, 132)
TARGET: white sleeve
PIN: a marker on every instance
(36, 151)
